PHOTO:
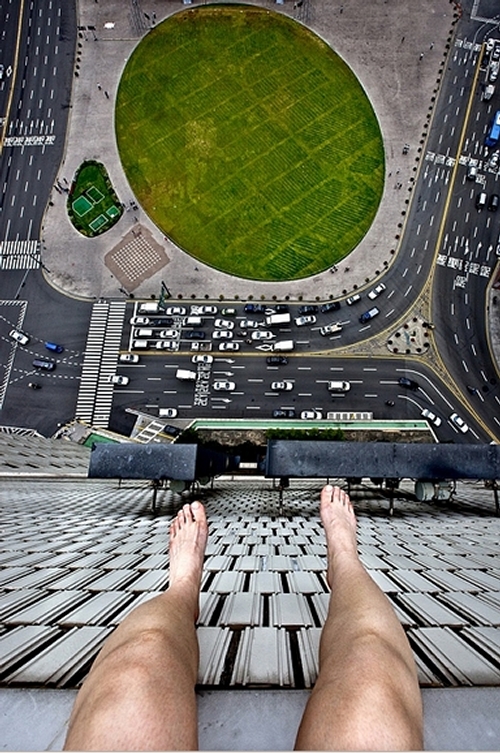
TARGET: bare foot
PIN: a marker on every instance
(188, 540)
(339, 522)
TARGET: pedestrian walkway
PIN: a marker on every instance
(95, 396)
(20, 255)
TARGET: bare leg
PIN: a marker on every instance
(139, 694)
(366, 696)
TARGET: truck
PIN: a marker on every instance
(283, 345)
(277, 319)
(185, 375)
(329, 329)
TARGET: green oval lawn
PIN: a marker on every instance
(249, 142)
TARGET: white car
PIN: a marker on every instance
(459, 423)
(376, 291)
(249, 324)
(169, 333)
(353, 299)
(228, 312)
(167, 345)
(285, 386)
(168, 412)
(136, 320)
(301, 321)
(119, 379)
(202, 310)
(129, 358)
(493, 160)
(431, 417)
(222, 334)
(262, 335)
(224, 324)
(202, 358)
(175, 311)
(311, 415)
(224, 386)
(229, 346)
(19, 337)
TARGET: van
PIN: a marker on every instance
(481, 200)
(148, 308)
(277, 319)
(488, 92)
(192, 321)
(369, 315)
(186, 375)
(339, 386)
(284, 345)
(139, 344)
(144, 332)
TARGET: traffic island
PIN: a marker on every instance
(93, 206)
(412, 338)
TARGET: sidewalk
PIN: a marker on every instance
(383, 48)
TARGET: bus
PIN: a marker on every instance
(493, 136)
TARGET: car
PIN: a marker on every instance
(409, 383)
(224, 323)
(167, 345)
(2, 72)
(279, 308)
(494, 68)
(496, 51)
(472, 172)
(229, 346)
(129, 358)
(254, 308)
(459, 423)
(376, 291)
(332, 306)
(276, 360)
(302, 321)
(222, 334)
(262, 335)
(249, 324)
(40, 363)
(168, 412)
(203, 310)
(169, 333)
(481, 200)
(284, 413)
(311, 415)
(353, 299)
(19, 336)
(175, 311)
(119, 379)
(329, 329)
(284, 386)
(228, 312)
(194, 334)
(139, 320)
(494, 159)
(202, 358)
(224, 386)
(173, 431)
(494, 202)
(369, 315)
(163, 321)
(308, 308)
(489, 91)
(340, 386)
(54, 347)
(431, 417)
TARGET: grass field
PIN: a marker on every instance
(249, 142)
(93, 206)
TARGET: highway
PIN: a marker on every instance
(445, 262)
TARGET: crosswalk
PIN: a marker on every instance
(95, 397)
(20, 255)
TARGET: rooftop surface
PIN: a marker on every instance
(76, 556)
